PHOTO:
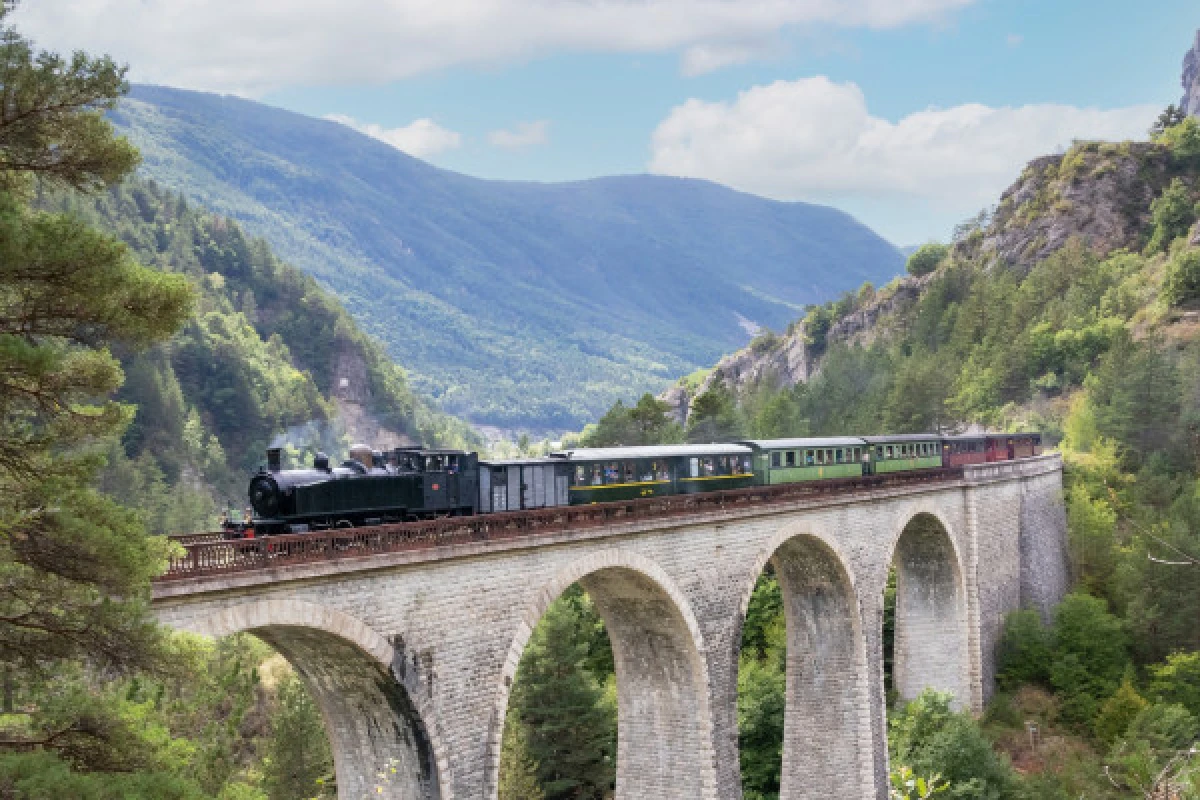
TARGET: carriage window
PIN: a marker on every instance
(829, 456)
(746, 468)
(695, 467)
(581, 475)
(662, 471)
(890, 451)
(612, 472)
(840, 456)
(791, 457)
(707, 463)
(776, 459)
(629, 471)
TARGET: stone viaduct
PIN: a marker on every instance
(411, 655)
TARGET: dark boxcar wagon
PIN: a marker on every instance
(521, 484)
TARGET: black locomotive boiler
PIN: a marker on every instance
(369, 488)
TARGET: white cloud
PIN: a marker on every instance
(813, 139)
(254, 46)
(423, 138)
(524, 134)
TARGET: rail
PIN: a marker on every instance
(211, 554)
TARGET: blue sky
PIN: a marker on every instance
(910, 114)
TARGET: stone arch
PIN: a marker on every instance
(827, 739)
(664, 722)
(931, 648)
(370, 718)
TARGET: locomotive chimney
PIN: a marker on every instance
(274, 459)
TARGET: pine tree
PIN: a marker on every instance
(74, 566)
(571, 728)
(518, 770)
(298, 758)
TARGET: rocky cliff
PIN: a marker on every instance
(1191, 80)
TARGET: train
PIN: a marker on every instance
(375, 487)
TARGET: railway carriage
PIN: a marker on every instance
(604, 474)
(966, 449)
(904, 452)
(810, 459)
(523, 484)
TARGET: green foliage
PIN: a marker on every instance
(931, 739)
(762, 687)
(714, 416)
(1172, 213)
(1183, 140)
(1164, 726)
(46, 776)
(1171, 116)
(571, 728)
(1119, 711)
(648, 422)
(298, 762)
(518, 770)
(1177, 681)
(1025, 651)
(1181, 285)
(904, 785)
(1091, 655)
(927, 258)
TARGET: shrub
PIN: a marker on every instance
(1024, 653)
(1119, 711)
(1181, 286)
(927, 258)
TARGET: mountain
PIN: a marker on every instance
(268, 358)
(513, 304)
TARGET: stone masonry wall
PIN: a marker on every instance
(450, 627)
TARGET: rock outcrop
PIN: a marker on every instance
(1097, 192)
(788, 359)
(1191, 80)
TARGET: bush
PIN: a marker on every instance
(1183, 140)
(1172, 213)
(1181, 286)
(931, 739)
(1025, 651)
(927, 258)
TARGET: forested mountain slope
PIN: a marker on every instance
(518, 304)
(268, 357)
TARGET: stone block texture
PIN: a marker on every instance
(412, 656)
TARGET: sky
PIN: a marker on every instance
(912, 115)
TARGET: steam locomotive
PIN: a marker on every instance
(373, 487)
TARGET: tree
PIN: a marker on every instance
(571, 729)
(714, 416)
(1171, 116)
(1181, 285)
(74, 566)
(1172, 213)
(518, 770)
(1178, 681)
(298, 761)
(927, 258)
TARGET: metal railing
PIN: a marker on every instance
(211, 554)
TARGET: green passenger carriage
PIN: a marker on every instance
(811, 459)
(904, 452)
